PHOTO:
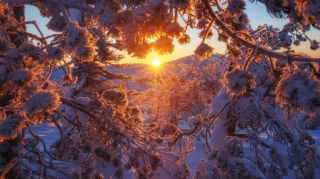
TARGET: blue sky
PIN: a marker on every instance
(256, 12)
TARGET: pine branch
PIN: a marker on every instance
(78, 6)
(207, 31)
(76, 105)
(191, 131)
(8, 167)
(47, 76)
(260, 50)
(79, 107)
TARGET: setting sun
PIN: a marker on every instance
(156, 62)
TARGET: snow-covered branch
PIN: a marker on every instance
(260, 49)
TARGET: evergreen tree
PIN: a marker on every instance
(97, 123)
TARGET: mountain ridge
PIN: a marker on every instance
(142, 70)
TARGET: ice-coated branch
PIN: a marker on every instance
(47, 76)
(207, 31)
(36, 25)
(78, 6)
(11, 108)
(191, 131)
(260, 50)
(8, 167)
(220, 8)
(65, 13)
(76, 105)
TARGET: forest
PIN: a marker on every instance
(69, 108)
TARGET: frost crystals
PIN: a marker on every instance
(203, 51)
(43, 100)
(239, 81)
(11, 126)
(297, 88)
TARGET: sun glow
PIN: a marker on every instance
(156, 62)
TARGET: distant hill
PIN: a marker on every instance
(192, 59)
(147, 71)
(184, 60)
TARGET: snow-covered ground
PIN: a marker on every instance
(50, 133)
(47, 131)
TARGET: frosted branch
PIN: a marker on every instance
(207, 31)
(65, 13)
(12, 108)
(78, 6)
(8, 167)
(76, 105)
(36, 25)
(260, 50)
(192, 131)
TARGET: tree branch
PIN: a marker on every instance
(260, 50)
(76, 105)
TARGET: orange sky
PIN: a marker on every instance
(179, 50)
